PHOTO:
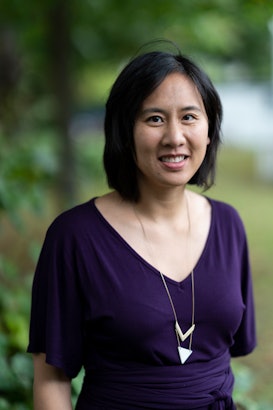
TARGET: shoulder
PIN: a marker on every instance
(223, 209)
(226, 217)
(202, 204)
(74, 220)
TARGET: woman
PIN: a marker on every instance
(149, 286)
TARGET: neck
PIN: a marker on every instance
(160, 206)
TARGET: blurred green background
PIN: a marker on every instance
(58, 59)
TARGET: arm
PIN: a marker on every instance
(51, 388)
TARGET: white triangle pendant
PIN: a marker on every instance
(184, 354)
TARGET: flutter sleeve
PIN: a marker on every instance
(56, 325)
(245, 337)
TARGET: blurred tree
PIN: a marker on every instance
(45, 47)
(226, 30)
(9, 77)
(59, 25)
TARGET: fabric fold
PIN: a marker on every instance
(168, 387)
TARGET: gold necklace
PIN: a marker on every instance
(184, 353)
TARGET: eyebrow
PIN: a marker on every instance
(157, 109)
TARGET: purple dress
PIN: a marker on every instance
(98, 304)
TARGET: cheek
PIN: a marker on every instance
(144, 142)
(138, 138)
(200, 138)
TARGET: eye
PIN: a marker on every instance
(188, 117)
(156, 119)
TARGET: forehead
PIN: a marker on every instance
(176, 88)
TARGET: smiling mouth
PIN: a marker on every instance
(173, 159)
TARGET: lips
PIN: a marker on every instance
(173, 158)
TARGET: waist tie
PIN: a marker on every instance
(223, 401)
(205, 385)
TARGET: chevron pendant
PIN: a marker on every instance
(183, 336)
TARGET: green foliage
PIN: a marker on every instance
(244, 381)
(76, 386)
(16, 371)
(223, 30)
(26, 167)
(112, 30)
(89, 151)
(27, 171)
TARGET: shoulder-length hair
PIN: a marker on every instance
(135, 83)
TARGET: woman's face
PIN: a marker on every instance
(170, 134)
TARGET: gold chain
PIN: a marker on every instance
(165, 284)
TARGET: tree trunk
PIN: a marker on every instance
(59, 36)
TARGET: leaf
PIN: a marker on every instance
(21, 365)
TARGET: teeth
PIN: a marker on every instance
(173, 159)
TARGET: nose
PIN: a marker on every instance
(174, 135)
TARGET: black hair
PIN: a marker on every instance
(136, 82)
